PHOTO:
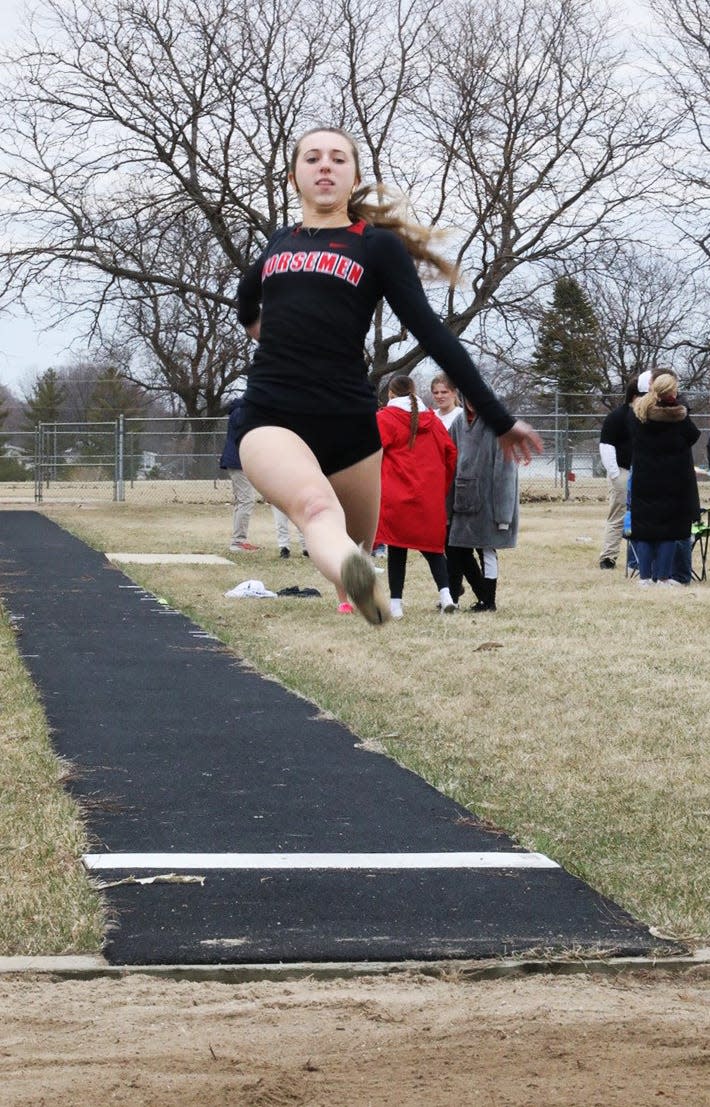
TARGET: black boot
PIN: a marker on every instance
(475, 578)
(487, 600)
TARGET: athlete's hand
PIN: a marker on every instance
(520, 441)
(254, 329)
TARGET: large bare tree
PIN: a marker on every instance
(649, 304)
(686, 65)
(133, 120)
(685, 62)
(144, 168)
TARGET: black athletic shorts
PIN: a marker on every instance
(338, 441)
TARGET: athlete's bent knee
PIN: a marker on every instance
(315, 502)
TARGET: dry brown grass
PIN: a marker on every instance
(583, 733)
(47, 904)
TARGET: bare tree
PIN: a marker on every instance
(510, 125)
(649, 306)
(685, 62)
(144, 167)
(686, 65)
(161, 104)
(186, 344)
(133, 120)
(544, 147)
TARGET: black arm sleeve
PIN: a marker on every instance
(693, 432)
(249, 293)
(404, 293)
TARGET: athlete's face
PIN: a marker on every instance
(325, 172)
(444, 398)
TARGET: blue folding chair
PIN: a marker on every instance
(632, 563)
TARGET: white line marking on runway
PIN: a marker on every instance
(168, 559)
(239, 861)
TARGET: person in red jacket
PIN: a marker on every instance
(418, 465)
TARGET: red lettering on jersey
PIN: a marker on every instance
(355, 273)
(316, 261)
(342, 267)
(326, 263)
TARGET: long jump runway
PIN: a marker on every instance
(300, 844)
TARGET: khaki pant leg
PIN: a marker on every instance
(615, 516)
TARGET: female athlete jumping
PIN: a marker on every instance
(309, 440)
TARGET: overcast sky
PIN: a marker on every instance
(26, 349)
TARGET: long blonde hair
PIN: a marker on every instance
(663, 390)
(385, 210)
(402, 385)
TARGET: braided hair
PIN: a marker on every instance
(402, 385)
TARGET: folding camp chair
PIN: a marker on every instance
(632, 562)
(631, 558)
(700, 533)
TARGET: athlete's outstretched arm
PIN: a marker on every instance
(405, 295)
(520, 441)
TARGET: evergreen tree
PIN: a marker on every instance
(44, 404)
(113, 395)
(569, 356)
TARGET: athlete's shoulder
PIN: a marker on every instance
(386, 250)
(278, 237)
(382, 236)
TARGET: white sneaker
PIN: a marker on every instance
(646, 583)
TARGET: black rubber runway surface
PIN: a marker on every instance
(181, 749)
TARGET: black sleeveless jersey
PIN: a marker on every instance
(317, 290)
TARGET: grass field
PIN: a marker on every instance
(575, 717)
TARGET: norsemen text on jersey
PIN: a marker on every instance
(316, 261)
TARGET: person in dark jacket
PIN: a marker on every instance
(615, 454)
(664, 490)
(243, 492)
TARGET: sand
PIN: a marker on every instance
(559, 1041)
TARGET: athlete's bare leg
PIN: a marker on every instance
(284, 469)
(358, 490)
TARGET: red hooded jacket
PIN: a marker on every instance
(414, 482)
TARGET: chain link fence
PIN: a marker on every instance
(173, 460)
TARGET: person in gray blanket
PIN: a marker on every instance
(483, 509)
